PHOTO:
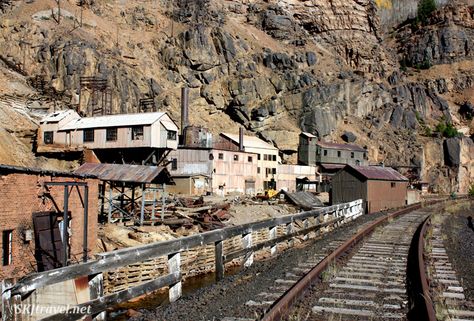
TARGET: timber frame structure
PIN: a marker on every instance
(301, 224)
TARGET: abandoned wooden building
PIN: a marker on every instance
(33, 207)
(314, 152)
(144, 137)
(380, 188)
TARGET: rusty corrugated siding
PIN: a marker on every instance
(126, 173)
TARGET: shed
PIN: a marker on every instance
(379, 187)
(127, 190)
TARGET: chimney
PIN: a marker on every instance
(241, 139)
(184, 109)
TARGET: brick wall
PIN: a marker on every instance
(21, 194)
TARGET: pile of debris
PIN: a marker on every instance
(187, 212)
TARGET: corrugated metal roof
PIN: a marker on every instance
(58, 116)
(341, 146)
(127, 173)
(250, 141)
(378, 173)
(305, 200)
(308, 134)
(332, 166)
(121, 120)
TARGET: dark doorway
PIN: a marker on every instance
(48, 242)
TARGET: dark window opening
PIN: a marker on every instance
(265, 157)
(48, 137)
(392, 184)
(111, 134)
(7, 246)
(258, 170)
(88, 136)
(174, 164)
(250, 159)
(352, 154)
(137, 132)
(259, 157)
(221, 155)
(338, 153)
(274, 158)
(172, 135)
(325, 152)
(274, 170)
(236, 157)
(211, 156)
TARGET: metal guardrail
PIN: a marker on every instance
(12, 293)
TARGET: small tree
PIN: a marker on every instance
(425, 8)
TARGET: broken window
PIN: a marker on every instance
(174, 164)
(325, 152)
(172, 135)
(88, 136)
(250, 159)
(258, 170)
(392, 184)
(274, 158)
(137, 132)
(48, 137)
(111, 134)
(338, 153)
(236, 157)
(221, 156)
(274, 170)
(352, 154)
(259, 157)
(7, 246)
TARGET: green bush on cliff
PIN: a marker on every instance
(471, 190)
(446, 129)
(425, 8)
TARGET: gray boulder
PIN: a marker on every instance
(452, 152)
(349, 137)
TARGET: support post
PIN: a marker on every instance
(86, 222)
(219, 253)
(247, 243)
(142, 211)
(273, 234)
(289, 230)
(65, 226)
(163, 202)
(174, 265)
(9, 302)
(154, 205)
(305, 226)
(96, 291)
(111, 201)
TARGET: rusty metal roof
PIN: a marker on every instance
(332, 166)
(349, 147)
(304, 200)
(10, 169)
(127, 173)
(377, 173)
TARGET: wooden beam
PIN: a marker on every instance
(98, 305)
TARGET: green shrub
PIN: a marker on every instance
(471, 191)
(446, 129)
(425, 8)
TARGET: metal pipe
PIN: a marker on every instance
(86, 222)
(241, 139)
(184, 108)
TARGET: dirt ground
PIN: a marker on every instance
(459, 242)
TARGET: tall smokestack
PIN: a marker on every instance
(184, 108)
(241, 139)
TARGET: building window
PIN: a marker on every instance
(392, 184)
(174, 164)
(338, 153)
(48, 137)
(88, 136)
(265, 157)
(259, 157)
(250, 159)
(236, 157)
(274, 170)
(325, 152)
(172, 135)
(137, 132)
(274, 158)
(258, 170)
(211, 156)
(221, 155)
(352, 154)
(7, 246)
(111, 134)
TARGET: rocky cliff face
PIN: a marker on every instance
(276, 67)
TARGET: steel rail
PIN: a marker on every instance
(430, 314)
(281, 308)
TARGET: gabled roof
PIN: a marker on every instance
(127, 173)
(349, 147)
(249, 141)
(120, 120)
(58, 116)
(376, 173)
